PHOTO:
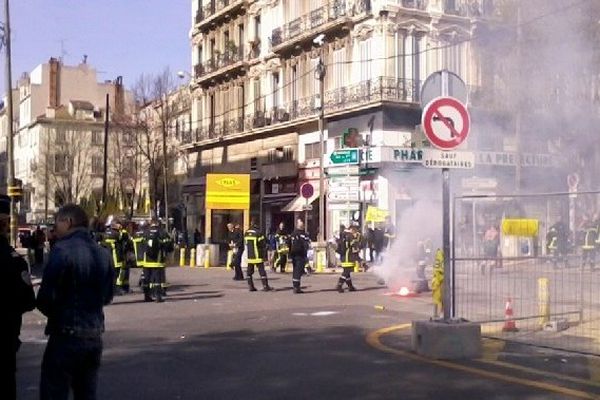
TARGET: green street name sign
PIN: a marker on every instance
(344, 157)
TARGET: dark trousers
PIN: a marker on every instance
(123, 277)
(8, 363)
(281, 261)
(236, 261)
(38, 254)
(70, 363)
(346, 274)
(298, 264)
(259, 266)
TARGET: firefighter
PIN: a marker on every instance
(556, 242)
(282, 248)
(139, 249)
(588, 247)
(256, 246)
(300, 243)
(128, 254)
(158, 245)
(389, 233)
(113, 241)
(348, 248)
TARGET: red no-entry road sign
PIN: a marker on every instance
(446, 122)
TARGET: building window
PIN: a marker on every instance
(60, 163)
(61, 136)
(253, 164)
(365, 60)
(97, 165)
(312, 151)
(241, 39)
(275, 90)
(257, 27)
(97, 138)
(129, 165)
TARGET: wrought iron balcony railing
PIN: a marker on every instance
(382, 89)
(416, 4)
(332, 11)
(221, 60)
(213, 7)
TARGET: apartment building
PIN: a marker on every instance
(256, 98)
(59, 113)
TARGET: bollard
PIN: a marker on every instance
(182, 257)
(321, 259)
(207, 257)
(229, 260)
(543, 301)
(193, 258)
(356, 267)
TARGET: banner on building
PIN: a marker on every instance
(228, 191)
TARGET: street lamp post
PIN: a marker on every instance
(320, 75)
(9, 122)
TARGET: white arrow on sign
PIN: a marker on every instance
(344, 189)
(343, 196)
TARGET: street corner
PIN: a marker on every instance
(559, 373)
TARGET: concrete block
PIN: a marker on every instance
(556, 325)
(446, 340)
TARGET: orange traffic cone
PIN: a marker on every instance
(509, 322)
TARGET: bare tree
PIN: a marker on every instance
(66, 162)
(158, 105)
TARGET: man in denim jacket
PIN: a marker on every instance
(77, 283)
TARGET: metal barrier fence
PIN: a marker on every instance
(528, 268)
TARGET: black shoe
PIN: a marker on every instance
(265, 283)
(251, 285)
(148, 299)
(340, 289)
(298, 290)
(351, 289)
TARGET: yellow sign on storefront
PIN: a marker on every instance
(520, 227)
(228, 191)
(375, 214)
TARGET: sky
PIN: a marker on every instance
(120, 37)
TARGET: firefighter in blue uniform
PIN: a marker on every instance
(348, 248)
(300, 243)
(113, 240)
(139, 249)
(158, 245)
(256, 247)
(16, 298)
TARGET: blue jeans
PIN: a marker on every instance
(70, 363)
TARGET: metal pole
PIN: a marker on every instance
(446, 243)
(321, 77)
(519, 104)
(9, 122)
(165, 167)
(105, 165)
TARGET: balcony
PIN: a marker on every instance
(414, 4)
(228, 62)
(350, 98)
(215, 12)
(468, 9)
(328, 17)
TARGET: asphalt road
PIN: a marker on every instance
(212, 339)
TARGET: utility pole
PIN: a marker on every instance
(9, 122)
(165, 106)
(519, 103)
(105, 165)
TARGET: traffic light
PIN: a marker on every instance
(351, 138)
(15, 190)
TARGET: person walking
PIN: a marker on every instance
(76, 285)
(235, 237)
(256, 247)
(16, 297)
(300, 243)
(39, 242)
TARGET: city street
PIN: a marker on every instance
(212, 339)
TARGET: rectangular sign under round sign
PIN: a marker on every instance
(520, 227)
(449, 159)
(228, 191)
